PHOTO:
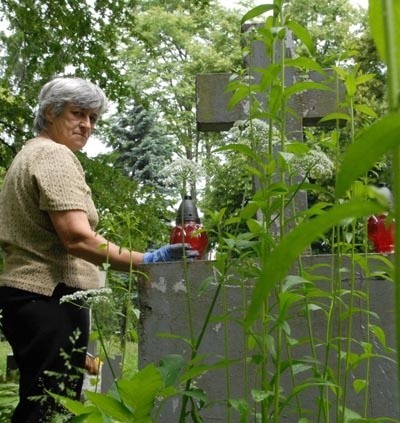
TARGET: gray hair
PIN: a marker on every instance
(59, 92)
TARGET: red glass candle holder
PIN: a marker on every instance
(191, 233)
(188, 228)
(381, 233)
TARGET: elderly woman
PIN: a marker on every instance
(47, 233)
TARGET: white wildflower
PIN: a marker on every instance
(182, 171)
(253, 133)
(315, 164)
(89, 296)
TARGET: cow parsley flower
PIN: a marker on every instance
(182, 172)
(88, 297)
(255, 133)
(315, 165)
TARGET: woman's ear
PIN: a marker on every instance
(49, 115)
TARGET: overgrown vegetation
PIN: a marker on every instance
(259, 234)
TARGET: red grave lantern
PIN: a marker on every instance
(188, 228)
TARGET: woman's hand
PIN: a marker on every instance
(170, 252)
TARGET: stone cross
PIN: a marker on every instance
(212, 112)
(212, 98)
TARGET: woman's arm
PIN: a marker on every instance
(76, 235)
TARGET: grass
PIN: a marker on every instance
(8, 385)
(5, 349)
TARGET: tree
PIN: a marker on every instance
(131, 215)
(168, 46)
(331, 24)
(366, 56)
(46, 38)
(140, 145)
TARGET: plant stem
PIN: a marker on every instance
(196, 346)
(225, 310)
(391, 26)
(107, 357)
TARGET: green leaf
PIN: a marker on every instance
(140, 391)
(362, 79)
(249, 210)
(255, 226)
(376, 140)
(168, 335)
(305, 86)
(334, 116)
(359, 385)
(379, 333)
(234, 220)
(257, 11)
(206, 284)
(302, 34)
(269, 75)
(298, 368)
(297, 148)
(200, 369)
(366, 110)
(241, 406)
(377, 25)
(239, 95)
(197, 394)
(259, 396)
(278, 263)
(275, 99)
(351, 86)
(384, 22)
(349, 415)
(110, 406)
(305, 386)
(240, 148)
(74, 406)
(293, 281)
(170, 368)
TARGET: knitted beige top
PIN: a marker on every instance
(44, 176)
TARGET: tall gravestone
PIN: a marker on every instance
(173, 302)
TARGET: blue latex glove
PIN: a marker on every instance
(170, 252)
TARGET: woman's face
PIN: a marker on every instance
(72, 127)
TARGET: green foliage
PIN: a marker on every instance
(131, 401)
(257, 241)
(142, 149)
(273, 298)
(131, 215)
(166, 48)
(278, 263)
(8, 400)
(367, 147)
(330, 26)
(46, 38)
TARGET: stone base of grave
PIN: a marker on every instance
(170, 293)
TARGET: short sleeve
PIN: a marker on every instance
(60, 180)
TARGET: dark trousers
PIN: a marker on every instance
(49, 342)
